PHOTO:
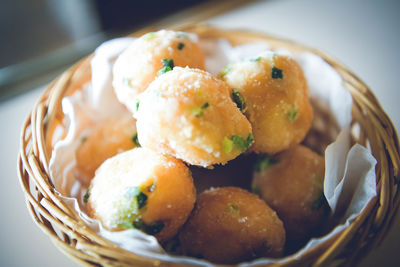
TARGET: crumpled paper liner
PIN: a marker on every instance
(350, 181)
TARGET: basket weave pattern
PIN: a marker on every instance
(72, 236)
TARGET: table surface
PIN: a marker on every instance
(362, 34)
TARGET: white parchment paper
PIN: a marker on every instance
(349, 172)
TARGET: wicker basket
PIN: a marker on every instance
(70, 234)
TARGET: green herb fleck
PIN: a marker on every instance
(233, 208)
(141, 199)
(180, 46)
(263, 162)
(255, 189)
(84, 139)
(151, 229)
(137, 194)
(149, 36)
(276, 73)
(239, 100)
(241, 143)
(256, 59)
(168, 66)
(135, 140)
(86, 196)
(225, 71)
(125, 225)
(227, 144)
(128, 207)
(168, 62)
(137, 105)
(205, 105)
(292, 114)
(199, 112)
(200, 93)
(319, 202)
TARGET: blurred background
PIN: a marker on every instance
(39, 38)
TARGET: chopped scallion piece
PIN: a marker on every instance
(86, 196)
(263, 162)
(225, 71)
(180, 46)
(141, 199)
(227, 145)
(149, 36)
(199, 112)
(135, 140)
(168, 66)
(239, 100)
(292, 114)
(200, 93)
(233, 208)
(125, 225)
(137, 105)
(277, 73)
(134, 192)
(241, 143)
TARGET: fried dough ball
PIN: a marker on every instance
(230, 225)
(105, 140)
(144, 190)
(154, 52)
(188, 113)
(272, 92)
(292, 184)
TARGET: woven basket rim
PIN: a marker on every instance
(70, 234)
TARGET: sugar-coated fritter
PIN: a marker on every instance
(188, 113)
(230, 225)
(292, 184)
(272, 92)
(105, 140)
(149, 56)
(144, 190)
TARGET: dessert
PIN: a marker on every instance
(292, 184)
(188, 113)
(149, 56)
(230, 225)
(141, 189)
(272, 92)
(104, 140)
